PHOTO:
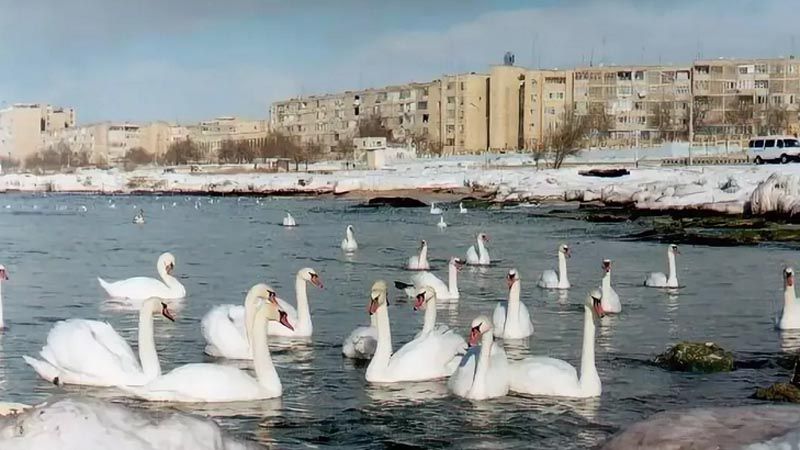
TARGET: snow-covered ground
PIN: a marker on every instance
(510, 178)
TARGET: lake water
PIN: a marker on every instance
(54, 250)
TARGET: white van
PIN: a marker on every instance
(761, 149)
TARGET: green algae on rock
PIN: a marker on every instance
(704, 357)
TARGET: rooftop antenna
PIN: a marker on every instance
(591, 58)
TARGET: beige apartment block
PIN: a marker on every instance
(743, 96)
(640, 102)
(22, 126)
(210, 134)
(409, 111)
(108, 142)
(547, 95)
(464, 113)
(506, 100)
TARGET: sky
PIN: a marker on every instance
(189, 60)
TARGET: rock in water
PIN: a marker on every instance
(779, 392)
(705, 357)
(395, 202)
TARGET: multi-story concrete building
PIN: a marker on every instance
(408, 111)
(746, 96)
(22, 126)
(210, 134)
(547, 94)
(109, 142)
(464, 113)
(647, 101)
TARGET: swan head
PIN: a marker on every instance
(673, 250)
(607, 265)
(565, 250)
(157, 305)
(167, 261)
(377, 296)
(594, 303)
(276, 314)
(3, 273)
(512, 278)
(788, 276)
(422, 244)
(480, 326)
(263, 291)
(457, 262)
(423, 296)
(310, 275)
(483, 237)
(350, 229)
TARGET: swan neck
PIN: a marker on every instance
(606, 284)
(481, 248)
(789, 298)
(262, 360)
(383, 349)
(672, 276)
(303, 312)
(430, 316)
(148, 357)
(482, 369)
(452, 280)
(2, 324)
(513, 301)
(562, 267)
(589, 380)
(250, 307)
(349, 235)
(423, 255)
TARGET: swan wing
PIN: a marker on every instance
(543, 375)
(361, 343)
(201, 383)
(472, 256)
(461, 381)
(423, 358)
(499, 319)
(548, 280)
(610, 301)
(413, 262)
(224, 336)
(656, 279)
(428, 279)
(138, 288)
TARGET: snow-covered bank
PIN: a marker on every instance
(719, 189)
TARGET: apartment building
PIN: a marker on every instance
(409, 111)
(546, 94)
(210, 134)
(635, 102)
(109, 142)
(464, 113)
(22, 126)
(746, 96)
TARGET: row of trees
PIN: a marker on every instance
(57, 157)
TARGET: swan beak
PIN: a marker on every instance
(789, 279)
(166, 312)
(474, 336)
(316, 281)
(510, 281)
(486, 237)
(284, 320)
(607, 266)
(598, 308)
(170, 268)
(420, 301)
(3, 275)
(373, 306)
(568, 253)
(459, 264)
(273, 297)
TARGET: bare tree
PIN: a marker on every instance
(775, 119)
(182, 152)
(600, 122)
(345, 148)
(700, 109)
(741, 115)
(372, 126)
(569, 136)
(137, 156)
(662, 119)
(238, 152)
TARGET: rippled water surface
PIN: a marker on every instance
(54, 250)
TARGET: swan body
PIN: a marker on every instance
(552, 280)
(443, 291)
(610, 300)
(511, 319)
(441, 224)
(461, 208)
(419, 360)
(142, 288)
(553, 377)
(419, 262)
(139, 217)
(361, 342)
(658, 279)
(477, 255)
(483, 371)
(289, 221)
(349, 244)
(789, 318)
(3, 278)
(90, 352)
(227, 328)
(435, 209)
(211, 383)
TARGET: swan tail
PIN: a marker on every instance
(104, 284)
(44, 369)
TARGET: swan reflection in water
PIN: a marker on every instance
(790, 341)
(401, 393)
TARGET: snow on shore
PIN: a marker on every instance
(721, 189)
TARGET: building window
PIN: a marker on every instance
(639, 75)
(425, 118)
(450, 86)
(451, 142)
(404, 94)
(422, 105)
(762, 84)
(451, 129)
(451, 100)
(761, 68)
(462, 85)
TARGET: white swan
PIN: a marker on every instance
(90, 352)
(289, 221)
(483, 370)
(789, 318)
(139, 217)
(3, 278)
(419, 262)
(479, 256)
(203, 382)
(227, 328)
(547, 376)
(444, 291)
(349, 243)
(549, 278)
(511, 319)
(441, 224)
(412, 362)
(611, 303)
(142, 288)
(300, 318)
(362, 341)
(658, 279)
(461, 208)
(435, 209)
